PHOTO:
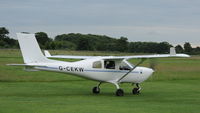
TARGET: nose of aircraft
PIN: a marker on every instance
(145, 74)
(149, 71)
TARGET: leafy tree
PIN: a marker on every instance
(163, 47)
(10, 43)
(122, 44)
(179, 49)
(64, 45)
(84, 44)
(5, 40)
(196, 51)
(188, 48)
(149, 47)
(52, 45)
(2, 43)
(3, 32)
(72, 37)
(47, 45)
(42, 38)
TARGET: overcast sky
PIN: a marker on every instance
(175, 21)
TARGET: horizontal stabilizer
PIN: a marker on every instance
(25, 65)
(46, 53)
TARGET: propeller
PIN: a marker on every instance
(153, 63)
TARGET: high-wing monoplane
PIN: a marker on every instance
(104, 69)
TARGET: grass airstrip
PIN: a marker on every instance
(174, 88)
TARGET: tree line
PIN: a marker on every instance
(91, 42)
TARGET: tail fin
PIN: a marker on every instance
(172, 51)
(30, 49)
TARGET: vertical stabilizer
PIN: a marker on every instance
(30, 49)
(172, 51)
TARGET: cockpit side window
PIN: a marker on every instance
(109, 64)
(97, 64)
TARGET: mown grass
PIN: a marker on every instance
(174, 88)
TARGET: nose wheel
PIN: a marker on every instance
(136, 90)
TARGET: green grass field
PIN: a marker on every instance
(174, 88)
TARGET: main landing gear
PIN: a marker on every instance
(119, 91)
(96, 89)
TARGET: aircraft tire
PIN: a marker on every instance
(135, 91)
(96, 90)
(119, 92)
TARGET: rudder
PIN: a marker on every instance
(30, 49)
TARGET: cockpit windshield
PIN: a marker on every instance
(124, 66)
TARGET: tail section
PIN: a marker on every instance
(172, 51)
(46, 53)
(30, 49)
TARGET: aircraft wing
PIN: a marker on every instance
(48, 55)
(157, 56)
(171, 54)
(70, 57)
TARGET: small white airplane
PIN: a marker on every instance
(104, 69)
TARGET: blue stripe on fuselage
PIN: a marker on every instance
(114, 71)
(87, 70)
(47, 67)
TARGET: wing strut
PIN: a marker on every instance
(142, 60)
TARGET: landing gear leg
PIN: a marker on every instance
(96, 89)
(136, 90)
(119, 92)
